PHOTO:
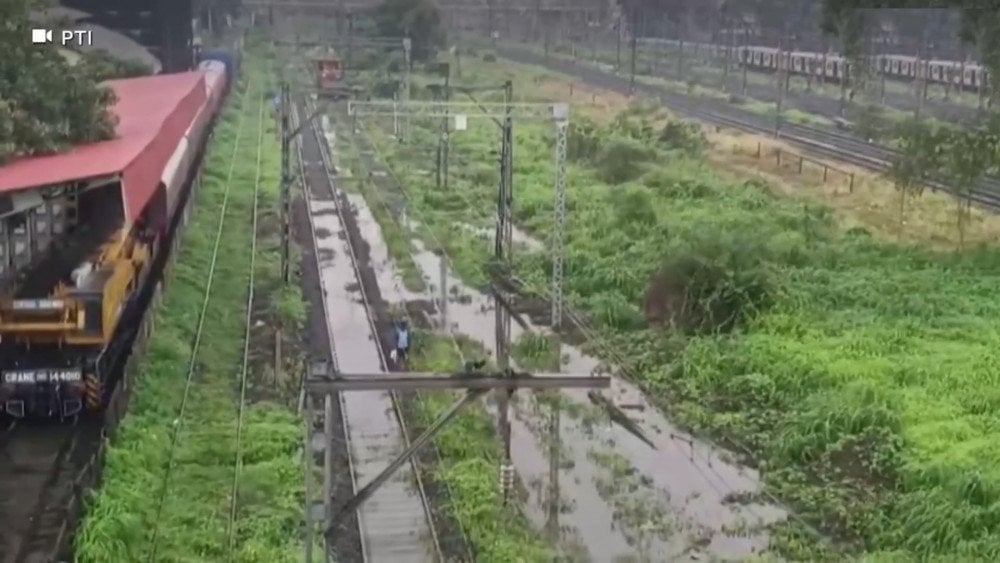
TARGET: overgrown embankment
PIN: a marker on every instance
(188, 516)
(859, 375)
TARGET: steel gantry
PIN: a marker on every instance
(476, 383)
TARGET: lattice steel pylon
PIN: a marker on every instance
(504, 113)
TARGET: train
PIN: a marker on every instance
(328, 76)
(71, 313)
(964, 75)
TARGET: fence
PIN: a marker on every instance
(785, 159)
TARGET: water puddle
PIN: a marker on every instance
(517, 235)
(620, 500)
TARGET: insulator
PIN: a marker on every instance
(506, 478)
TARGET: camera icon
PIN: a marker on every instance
(41, 36)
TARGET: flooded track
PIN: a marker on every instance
(395, 523)
(39, 464)
(619, 498)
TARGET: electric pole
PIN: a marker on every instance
(618, 42)
(632, 48)
(780, 76)
(286, 203)
(286, 181)
(443, 142)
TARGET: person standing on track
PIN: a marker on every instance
(401, 353)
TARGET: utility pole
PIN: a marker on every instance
(442, 175)
(489, 18)
(782, 62)
(286, 182)
(745, 56)
(632, 49)
(407, 45)
(286, 206)
(920, 72)
(618, 42)
(503, 257)
(350, 41)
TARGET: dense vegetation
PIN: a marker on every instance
(101, 65)
(45, 103)
(859, 375)
(194, 523)
(419, 20)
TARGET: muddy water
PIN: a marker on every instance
(621, 499)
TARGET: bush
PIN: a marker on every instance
(583, 139)
(385, 89)
(685, 137)
(623, 159)
(715, 283)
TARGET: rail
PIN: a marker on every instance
(367, 528)
(196, 346)
(238, 462)
(326, 315)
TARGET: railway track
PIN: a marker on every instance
(396, 523)
(234, 495)
(226, 218)
(843, 147)
(39, 465)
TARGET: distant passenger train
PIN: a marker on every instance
(831, 66)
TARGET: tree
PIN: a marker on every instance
(419, 20)
(919, 155)
(968, 156)
(45, 104)
(845, 20)
(101, 65)
(980, 27)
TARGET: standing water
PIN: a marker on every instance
(620, 499)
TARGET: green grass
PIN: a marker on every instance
(470, 456)
(860, 376)
(122, 516)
